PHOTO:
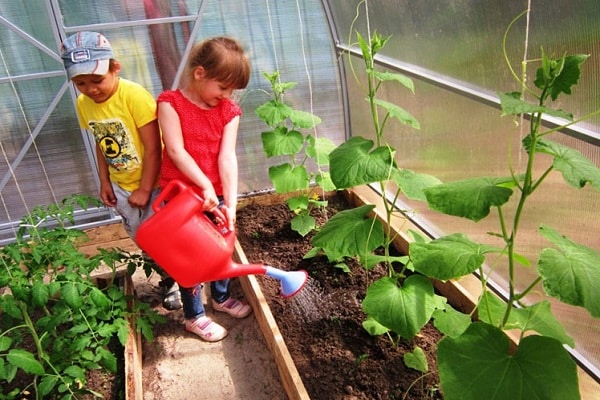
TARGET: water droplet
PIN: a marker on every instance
(307, 303)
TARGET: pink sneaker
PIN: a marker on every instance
(233, 307)
(206, 328)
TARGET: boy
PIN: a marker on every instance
(121, 115)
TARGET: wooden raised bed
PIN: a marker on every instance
(462, 295)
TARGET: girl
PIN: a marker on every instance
(199, 123)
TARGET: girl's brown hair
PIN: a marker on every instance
(223, 60)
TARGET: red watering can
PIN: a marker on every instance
(194, 248)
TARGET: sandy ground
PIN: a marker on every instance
(178, 365)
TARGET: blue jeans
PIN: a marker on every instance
(192, 297)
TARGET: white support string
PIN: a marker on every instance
(272, 36)
(33, 142)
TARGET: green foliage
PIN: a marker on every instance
(475, 360)
(539, 369)
(286, 140)
(56, 323)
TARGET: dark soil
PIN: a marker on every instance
(336, 358)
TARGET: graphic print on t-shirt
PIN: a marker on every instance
(116, 144)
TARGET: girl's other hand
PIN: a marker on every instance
(230, 214)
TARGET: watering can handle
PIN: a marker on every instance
(176, 186)
(167, 193)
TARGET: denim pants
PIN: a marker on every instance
(192, 297)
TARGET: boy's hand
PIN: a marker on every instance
(107, 195)
(139, 198)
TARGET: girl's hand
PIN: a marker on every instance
(230, 214)
(211, 201)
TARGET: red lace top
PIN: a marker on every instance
(202, 131)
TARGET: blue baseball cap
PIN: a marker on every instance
(86, 53)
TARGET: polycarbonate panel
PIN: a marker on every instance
(462, 39)
(463, 136)
(290, 37)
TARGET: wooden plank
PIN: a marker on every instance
(107, 237)
(290, 378)
(134, 389)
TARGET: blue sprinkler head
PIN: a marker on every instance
(291, 281)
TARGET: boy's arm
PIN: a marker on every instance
(106, 192)
(150, 138)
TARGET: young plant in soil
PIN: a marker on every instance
(286, 140)
(56, 324)
(474, 359)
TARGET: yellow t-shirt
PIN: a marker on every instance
(114, 125)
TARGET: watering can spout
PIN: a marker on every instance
(291, 281)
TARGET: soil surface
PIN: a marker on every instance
(178, 365)
(322, 324)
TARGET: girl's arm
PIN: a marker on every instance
(228, 168)
(150, 138)
(173, 138)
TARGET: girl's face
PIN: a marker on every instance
(214, 91)
(97, 87)
(211, 91)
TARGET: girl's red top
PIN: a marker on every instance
(202, 132)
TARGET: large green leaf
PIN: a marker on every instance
(288, 179)
(353, 163)
(448, 257)
(470, 198)
(280, 142)
(570, 273)
(479, 365)
(450, 321)
(25, 360)
(404, 310)
(47, 384)
(274, 112)
(399, 113)
(416, 359)
(303, 119)
(512, 104)
(413, 184)
(392, 76)
(39, 294)
(537, 317)
(575, 168)
(560, 75)
(71, 295)
(303, 224)
(319, 149)
(350, 233)
(323, 179)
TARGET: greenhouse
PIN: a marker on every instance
(463, 136)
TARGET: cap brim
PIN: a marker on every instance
(98, 67)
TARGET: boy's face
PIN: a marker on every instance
(97, 87)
